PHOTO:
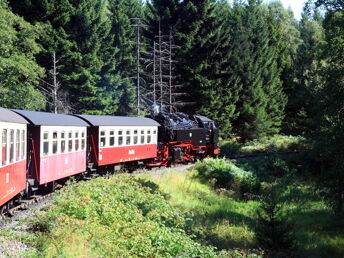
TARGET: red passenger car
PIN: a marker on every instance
(12, 156)
(58, 146)
(115, 139)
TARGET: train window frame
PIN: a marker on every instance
(12, 146)
(83, 140)
(136, 137)
(45, 143)
(120, 137)
(55, 142)
(143, 136)
(128, 137)
(23, 145)
(4, 134)
(63, 142)
(102, 138)
(76, 140)
(149, 136)
(17, 145)
(112, 138)
(70, 141)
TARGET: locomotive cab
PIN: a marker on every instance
(184, 138)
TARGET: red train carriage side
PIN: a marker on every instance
(12, 155)
(115, 139)
(58, 146)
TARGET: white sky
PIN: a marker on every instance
(295, 5)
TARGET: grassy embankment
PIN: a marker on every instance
(180, 213)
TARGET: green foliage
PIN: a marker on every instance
(269, 144)
(214, 218)
(262, 99)
(19, 71)
(308, 65)
(329, 135)
(118, 216)
(202, 63)
(228, 175)
(273, 231)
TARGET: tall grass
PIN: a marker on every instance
(217, 219)
(228, 223)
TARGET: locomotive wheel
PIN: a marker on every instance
(3, 209)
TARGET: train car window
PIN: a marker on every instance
(120, 138)
(136, 138)
(70, 141)
(112, 138)
(77, 141)
(149, 136)
(142, 136)
(22, 149)
(83, 141)
(102, 139)
(45, 143)
(128, 138)
(55, 142)
(17, 145)
(63, 142)
(4, 147)
(11, 146)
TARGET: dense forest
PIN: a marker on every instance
(251, 66)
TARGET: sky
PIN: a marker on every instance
(296, 6)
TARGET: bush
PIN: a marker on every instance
(227, 175)
(276, 143)
(267, 168)
(120, 216)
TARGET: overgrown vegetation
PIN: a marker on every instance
(227, 175)
(118, 216)
(177, 213)
(268, 144)
(227, 221)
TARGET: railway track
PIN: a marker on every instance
(24, 205)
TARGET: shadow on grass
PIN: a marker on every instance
(236, 239)
(318, 233)
(217, 224)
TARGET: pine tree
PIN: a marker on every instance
(273, 231)
(262, 99)
(86, 34)
(302, 102)
(329, 136)
(121, 67)
(201, 65)
(19, 71)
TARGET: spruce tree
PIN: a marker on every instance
(262, 99)
(300, 109)
(273, 231)
(203, 41)
(329, 136)
(19, 71)
(93, 40)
